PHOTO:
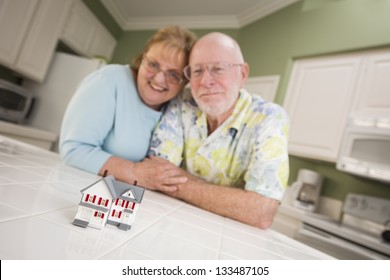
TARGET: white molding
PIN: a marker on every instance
(115, 12)
(147, 23)
(262, 9)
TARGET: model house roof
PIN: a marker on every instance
(120, 189)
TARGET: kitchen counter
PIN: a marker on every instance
(27, 134)
(39, 198)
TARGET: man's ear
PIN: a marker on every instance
(244, 74)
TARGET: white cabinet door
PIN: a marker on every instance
(15, 17)
(373, 96)
(79, 28)
(84, 33)
(41, 40)
(102, 43)
(318, 101)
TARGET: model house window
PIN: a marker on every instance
(103, 201)
(116, 214)
(120, 202)
(90, 198)
(130, 205)
(99, 214)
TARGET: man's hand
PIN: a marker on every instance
(235, 203)
(152, 173)
(155, 173)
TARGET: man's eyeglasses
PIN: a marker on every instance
(216, 69)
(172, 76)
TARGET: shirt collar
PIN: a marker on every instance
(236, 120)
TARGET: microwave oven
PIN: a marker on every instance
(365, 149)
(15, 102)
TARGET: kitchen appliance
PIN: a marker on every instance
(306, 190)
(15, 102)
(53, 95)
(366, 148)
(359, 234)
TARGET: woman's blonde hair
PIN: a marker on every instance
(177, 39)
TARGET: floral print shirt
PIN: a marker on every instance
(249, 150)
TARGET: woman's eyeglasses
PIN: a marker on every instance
(172, 76)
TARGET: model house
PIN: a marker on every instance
(108, 201)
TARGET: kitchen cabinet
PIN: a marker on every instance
(15, 17)
(102, 43)
(373, 91)
(318, 101)
(84, 33)
(29, 32)
(324, 92)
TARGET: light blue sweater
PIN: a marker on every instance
(106, 117)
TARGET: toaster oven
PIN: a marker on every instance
(15, 102)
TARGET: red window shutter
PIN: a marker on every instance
(87, 197)
(94, 198)
(102, 215)
(100, 201)
(127, 204)
(123, 203)
(95, 213)
(116, 202)
(132, 207)
(120, 213)
(106, 203)
(113, 212)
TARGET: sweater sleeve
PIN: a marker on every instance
(87, 121)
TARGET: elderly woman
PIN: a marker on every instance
(109, 121)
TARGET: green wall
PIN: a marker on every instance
(131, 43)
(304, 29)
(271, 44)
(313, 28)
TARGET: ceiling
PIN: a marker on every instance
(153, 14)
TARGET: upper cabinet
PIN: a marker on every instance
(102, 43)
(15, 18)
(84, 33)
(29, 31)
(373, 91)
(324, 92)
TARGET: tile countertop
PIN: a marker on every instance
(39, 197)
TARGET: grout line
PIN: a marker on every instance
(221, 239)
(141, 231)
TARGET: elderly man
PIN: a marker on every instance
(233, 145)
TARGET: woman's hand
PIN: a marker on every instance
(155, 173)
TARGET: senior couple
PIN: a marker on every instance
(215, 146)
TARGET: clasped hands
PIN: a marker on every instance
(158, 174)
